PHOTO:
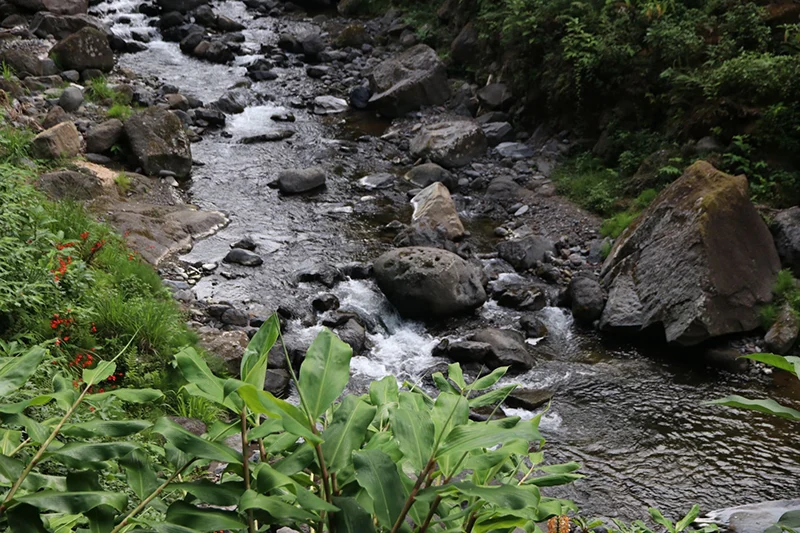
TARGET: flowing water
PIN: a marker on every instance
(633, 415)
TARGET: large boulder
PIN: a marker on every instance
(299, 180)
(464, 48)
(60, 141)
(523, 253)
(101, 137)
(701, 259)
(408, 81)
(159, 142)
(451, 144)
(22, 62)
(783, 334)
(70, 184)
(59, 7)
(87, 48)
(587, 299)
(435, 205)
(786, 230)
(429, 283)
(495, 96)
(507, 348)
(623, 310)
(62, 26)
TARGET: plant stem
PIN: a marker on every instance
(153, 495)
(246, 466)
(413, 494)
(18, 448)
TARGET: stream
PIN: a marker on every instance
(634, 415)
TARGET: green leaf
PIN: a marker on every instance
(163, 527)
(688, 520)
(564, 468)
(90, 454)
(221, 494)
(415, 435)
(442, 384)
(187, 515)
(269, 479)
(15, 373)
(465, 438)
(104, 428)
(74, 502)
(787, 364)
(456, 375)
(102, 371)
(297, 461)
(324, 372)
(658, 518)
(377, 474)
(36, 431)
(253, 369)
(384, 391)
(9, 440)
(493, 397)
(351, 518)
(141, 478)
(513, 497)
(202, 382)
(764, 406)
(193, 445)
(266, 428)
(554, 480)
(274, 506)
(311, 502)
(25, 519)
(490, 379)
(449, 411)
(346, 432)
(11, 469)
(265, 403)
(129, 395)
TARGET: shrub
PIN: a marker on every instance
(614, 226)
(588, 183)
(123, 183)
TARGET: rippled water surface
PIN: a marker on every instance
(634, 415)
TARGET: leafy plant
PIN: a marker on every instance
(123, 183)
(120, 111)
(8, 71)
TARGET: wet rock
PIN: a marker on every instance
(357, 270)
(524, 252)
(62, 140)
(353, 334)
(498, 132)
(216, 52)
(329, 105)
(285, 116)
(245, 243)
(227, 25)
(318, 71)
(243, 257)
(301, 180)
(700, 256)
(429, 283)
(328, 275)
(782, 335)
(450, 144)
(530, 399)
(359, 97)
(58, 7)
(181, 6)
(533, 326)
(353, 35)
(23, 62)
(515, 150)
(464, 49)
(521, 296)
(277, 382)
(325, 302)
(312, 45)
(235, 317)
(409, 81)
(429, 173)
(227, 345)
(84, 49)
(67, 184)
(435, 205)
(270, 136)
(101, 137)
(587, 299)
(190, 42)
(213, 116)
(71, 99)
(495, 96)
(159, 142)
(786, 232)
(507, 348)
(381, 180)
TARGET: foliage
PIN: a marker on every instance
(8, 71)
(120, 111)
(123, 183)
(383, 461)
(779, 187)
(587, 182)
(14, 144)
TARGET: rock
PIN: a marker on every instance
(71, 99)
(235, 317)
(159, 142)
(530, 399)
(56, 115)
(191, 42)
(495, 96)
(216, 52)
(450, 144)
(301, 180)
(623, 309)
(521, 296)
(353, 35)
(227, 25)
(464, 48)
(351, 7)
(277, 382)
(285, 116)
(381, 180)
(463, 351)
(62, 26)
(85, 49)
(181, 6)
(429, 283)
(60, 141)
(782, 335)
(587, 298)
(507, 349)
(701, 258)
(227, 345)
(409, 81)
(58, 7)
(428, 174)
(329, 105)
(318, 71)
(270, 136)
(755, 517)
(507, 192)
(311, 45)
(243, 257)
(67, 184)
(23, 62)
(192, 425)
(524, 252)
(213, 116)
(515, 150)
(325, 302)
(353, 334)
(435, 205)
(245, 243)
(328, 275)
(497, 132)
(359, 97)
(786, 231)
(533, 326)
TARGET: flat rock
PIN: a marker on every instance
(243, 257)
(450, 144)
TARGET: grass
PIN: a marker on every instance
(120, 111)
(14, 144)
(8, 72)
(585, 181)
(123, 183)
(99, 90)
(616, 224)
(785, 291)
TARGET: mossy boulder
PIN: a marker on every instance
(159, 141)
(85, 49)
(701, 259)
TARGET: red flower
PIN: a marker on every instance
(85, 235)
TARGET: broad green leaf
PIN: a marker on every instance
(25, 519)
(346, 432)
(162, 527)
(9, 440)
(351, 518)
(553, 480)
(414, 401)
(415, 435)
(456, 375)
(15, 373)
(129, 395)
(139, 473)
(90, 454)
(104, 428)
(787, 363)
(688, 520)
(468, 437)
(11, 469)
(493, 397)
(384, 391)
(764, 406)
(564, 468)
(500, 522)
(102, 371)
(385, 442)
(187, 515)
(658, 518)
(269, 479)
(201, 381)
(377, 474)
(74, 502)
(221, 494)
(443, 385)
(265, 403)
(253, 369)
(506, 497)
(101, 518)
(274, 506)
(266, 428)
(324, 372)
(36, 431)
(449, 411)
(63, 523)
(311, 502)
(490, 459)
(297, 461)
(193, 445)
(490, 379)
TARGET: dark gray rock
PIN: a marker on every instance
(325, 302)
(71, 99)
(23, 62)
(465, 47)
(359, 97)
(530, 399)
(159, 142)
(55, 116)
(301, 180)
(429, 173)
(181, 6)
(587, 299)
(326, 274)
(450, 144)
(786, 231)
(101, 137)
(783, 334)
(235, 317)
(87, 48)
(495, 96)
(243, 257)
(508, 348)
(623, 310)
(515, 150)
(353, 334)
(498, 132)
(67, 184)
(533, 326)
(507, 193)
(277, 382)
(524, 252)
(62, 26)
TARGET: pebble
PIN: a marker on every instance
(521, 211)
(209, 267)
